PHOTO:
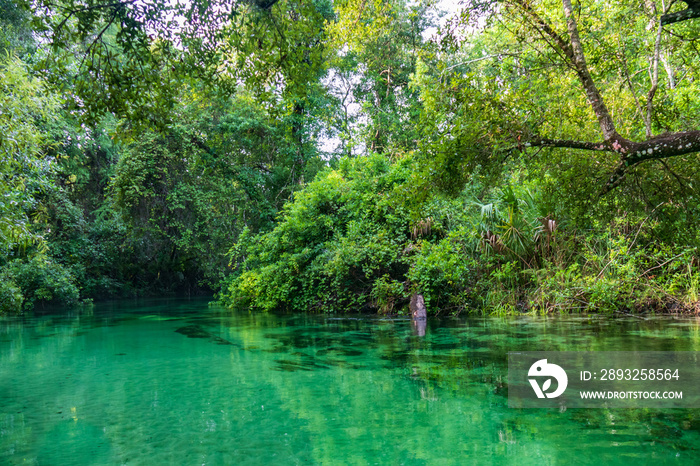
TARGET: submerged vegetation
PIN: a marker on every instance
(502, 157)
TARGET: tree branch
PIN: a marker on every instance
(658, 148)
(594, 98)
(630, 152)
(569, 144)
(99, 6)
(573, 52)
(693, 11)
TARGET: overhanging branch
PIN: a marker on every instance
(631, 153)
(693, 11)
(568, 144)
(659, 147)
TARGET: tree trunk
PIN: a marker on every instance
(631, 152)
(419, 314)
(417, 307)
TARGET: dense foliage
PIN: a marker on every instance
(510, 157)
(363, 236)
(341, 237)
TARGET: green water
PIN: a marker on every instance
(178, 382)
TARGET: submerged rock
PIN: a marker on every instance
(195, 331)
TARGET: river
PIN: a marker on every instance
(174, 381)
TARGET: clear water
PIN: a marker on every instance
(178, 382)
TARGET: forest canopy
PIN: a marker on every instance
(493, 156)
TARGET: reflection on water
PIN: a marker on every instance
(178, 382)
(419, 327)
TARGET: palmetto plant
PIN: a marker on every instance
(512, 224)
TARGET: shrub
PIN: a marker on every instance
(338, 246)
(41, 280)
(11, 298)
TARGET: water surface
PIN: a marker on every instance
(180, 382)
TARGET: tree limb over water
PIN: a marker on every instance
(570, 47)
(693, 11)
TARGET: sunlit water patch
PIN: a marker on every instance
(180, 382)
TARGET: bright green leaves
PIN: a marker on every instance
(111, 57)
(276, 49)
(376, 45)
(362, 21)
(360, 237)
(345, 230)
(130, 58)
(26, 111)
(39, 279)
(511, 224)
(508, 83)
(25, 104)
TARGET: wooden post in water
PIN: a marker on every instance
(419, 314)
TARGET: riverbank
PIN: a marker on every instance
(354, 239)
